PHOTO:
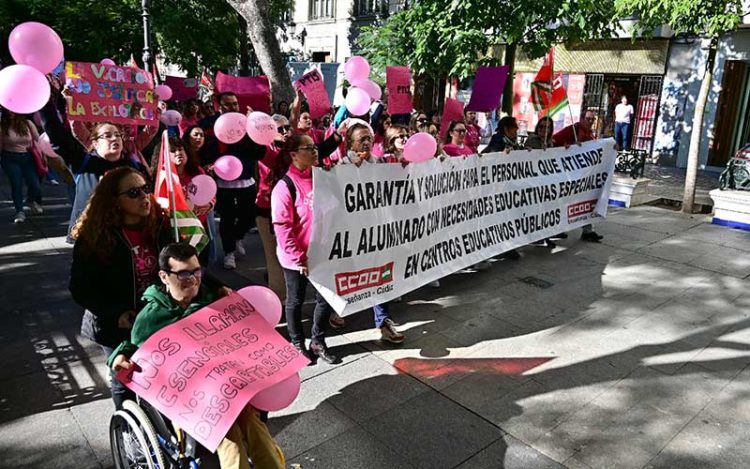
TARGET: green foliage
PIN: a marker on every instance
(440, 38)
(700, 17)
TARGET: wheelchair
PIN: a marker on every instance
(142, 438)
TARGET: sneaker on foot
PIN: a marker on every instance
(304, 351)
(20, 217)
(551, 244)
(484, 265)
(239, 248)
(229, 262)
(54, 182)
(254, 230)
(321, 351)
(435, 284)
(36, 209)
(389, 333)
(512, 255)
(560, 236)
(591, 236)
(336, 321)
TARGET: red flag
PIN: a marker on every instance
(169, 195)
(547, 90)
(205, 87)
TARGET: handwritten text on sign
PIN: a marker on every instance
(203, 370)
(312, 85)
(383, 230)
(98, 92)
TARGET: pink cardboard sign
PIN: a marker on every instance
(251, 91)
(182, 88)
(314, 89)
(489, 83)
(453, 110)
(203, 370)
(398, 82)
(123, 95)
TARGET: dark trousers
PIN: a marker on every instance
(296, 285)
(622, 132)
(20, 167)
(119, 392)
(236, 207)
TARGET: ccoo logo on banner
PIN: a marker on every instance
(382, 230)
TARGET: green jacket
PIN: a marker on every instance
(159, 312)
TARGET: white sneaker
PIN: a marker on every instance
(36, 209)
(389, 333)
(229, 262)
(435, 284)
(239, 248)
(20, 217)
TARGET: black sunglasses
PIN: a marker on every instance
(283, 129)
(186, 274)
(135, 192)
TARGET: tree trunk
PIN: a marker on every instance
(510, 61)
(688, 198)
(263, 37)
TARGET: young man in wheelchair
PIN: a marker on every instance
(181, 295)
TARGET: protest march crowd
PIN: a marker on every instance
(130, 276)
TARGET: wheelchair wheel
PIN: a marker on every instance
(130, 449)
(148, 430)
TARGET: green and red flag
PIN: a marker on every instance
(548, 93)
(170, 196)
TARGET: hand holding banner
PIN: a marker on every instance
(311, 84)
(203, 370)
(398, 82)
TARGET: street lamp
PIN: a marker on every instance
(145, 5)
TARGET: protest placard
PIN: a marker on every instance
(203, 370)
(453, 110)
(398, 82)
(251, 91)
(98, 92)
(487, 89)
(383, 230)
(311, 84)
(182, 88)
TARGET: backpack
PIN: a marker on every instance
(292, 188)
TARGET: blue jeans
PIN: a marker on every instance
(622, 131)
(20, 167)
(381, 312)
(119, 392)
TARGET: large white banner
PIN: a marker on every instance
(382, 230)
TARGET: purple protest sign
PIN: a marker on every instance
(398, 82)
(488, 88)
(314, 89)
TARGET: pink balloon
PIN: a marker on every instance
(357, 101)
(163, 91)
(107, 62)
(23, 89)
(279, 395)
(171, 118)
(356, 69)
(228, 167)
(37, 45)
(261, 128)
(201, 190)
(265, 301)
(420, 147)
(230, 127)
(372, 88)
(45, 146)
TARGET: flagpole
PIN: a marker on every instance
(170, 185)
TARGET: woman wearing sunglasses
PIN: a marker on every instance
(455, 140)
(395, 139)
(106, 152)
(117, 240)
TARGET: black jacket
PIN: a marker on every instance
(107, 290)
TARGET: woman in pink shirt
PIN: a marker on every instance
(455, 140)
(17, 136)
(292, 214)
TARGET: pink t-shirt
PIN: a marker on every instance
(145, 265)
(452, 149)
(292, 219)
(473, 137)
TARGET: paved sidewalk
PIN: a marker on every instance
(632, 353)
